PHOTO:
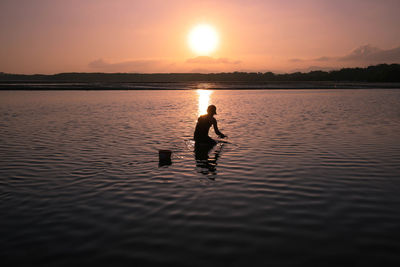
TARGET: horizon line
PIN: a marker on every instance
(200, 73)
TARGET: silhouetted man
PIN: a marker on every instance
(203, 125)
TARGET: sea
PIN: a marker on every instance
(305, 176)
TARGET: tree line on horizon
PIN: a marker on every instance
(377, 73)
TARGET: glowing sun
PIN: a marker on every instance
(203, 39)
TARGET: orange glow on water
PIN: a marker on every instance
(204, 99)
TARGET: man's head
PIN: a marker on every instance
(212, 110)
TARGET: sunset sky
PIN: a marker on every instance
(52, 36)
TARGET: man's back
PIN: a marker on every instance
(203, 125)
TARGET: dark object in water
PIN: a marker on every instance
(164, 157)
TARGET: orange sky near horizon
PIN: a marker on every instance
(52, 36)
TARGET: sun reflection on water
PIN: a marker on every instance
(204, 99)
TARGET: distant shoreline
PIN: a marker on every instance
(41, 86)
(379, 76)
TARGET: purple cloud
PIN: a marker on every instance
(365, 54)
(130, 66)
(211, 60)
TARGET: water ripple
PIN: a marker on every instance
(307, 176)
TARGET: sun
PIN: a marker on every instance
(203, 39)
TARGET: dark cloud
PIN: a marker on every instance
(129, 66)
(211, 60)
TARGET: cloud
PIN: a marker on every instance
(373, 54)
(318, 59)
(323, 59)
(296, 60)
(365, 54)
(130, 66)
(203, 64)
(211, 60)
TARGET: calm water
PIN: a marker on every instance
(308, 176)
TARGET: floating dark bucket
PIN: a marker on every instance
(164, 157)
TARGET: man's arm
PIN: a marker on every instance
(216, 129)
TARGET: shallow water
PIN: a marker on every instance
(307, 176)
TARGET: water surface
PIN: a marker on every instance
(307, 176)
